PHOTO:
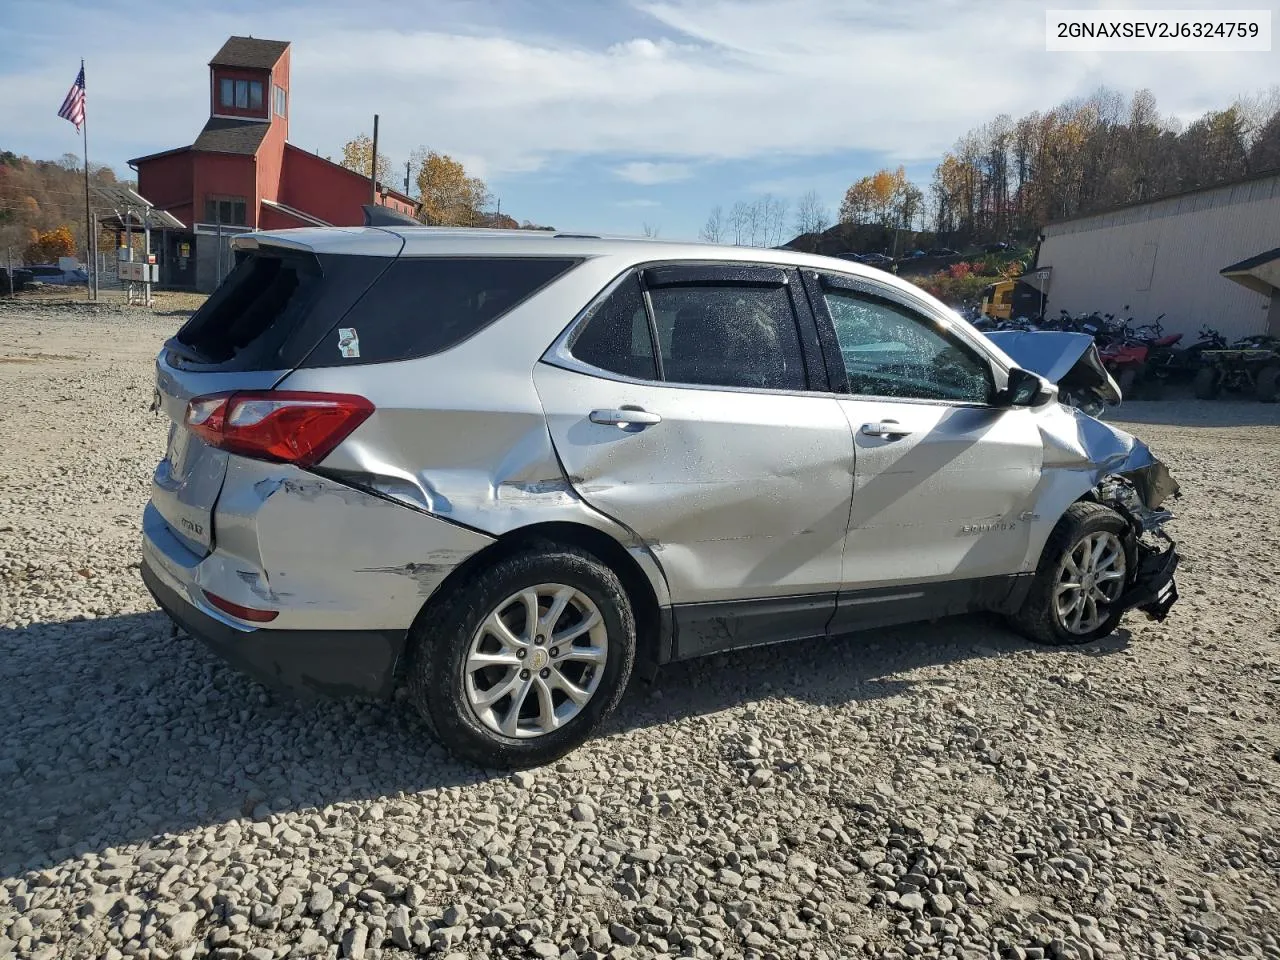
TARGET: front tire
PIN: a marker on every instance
(1082, 572)
(519, 665)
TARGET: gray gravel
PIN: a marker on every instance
(935, 791)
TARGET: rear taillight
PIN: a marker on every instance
(252, 614)
(285, 426)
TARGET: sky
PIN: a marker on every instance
(595, 115)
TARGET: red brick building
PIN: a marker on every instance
(241, 172)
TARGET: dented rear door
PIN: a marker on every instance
(739, 495)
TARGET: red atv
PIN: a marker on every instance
(1140, 361)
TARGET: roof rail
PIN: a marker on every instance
(376, 215)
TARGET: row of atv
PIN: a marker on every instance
(1143, 359)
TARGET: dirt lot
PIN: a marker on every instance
(933, 791)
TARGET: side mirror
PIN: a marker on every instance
(1026, 389)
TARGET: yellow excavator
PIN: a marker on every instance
(997, 300)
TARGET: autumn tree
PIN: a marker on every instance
(355, 156)
(47, 247)
(885, 198)
(448, 195)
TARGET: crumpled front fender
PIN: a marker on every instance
(1080, 454)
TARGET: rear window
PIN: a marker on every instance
(422, 306)
(264, 291)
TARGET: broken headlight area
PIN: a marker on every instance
(1138, 496)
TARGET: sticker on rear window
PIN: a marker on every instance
(348, 342)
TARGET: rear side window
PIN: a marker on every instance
(616, 335)
(422, 306)
(728, 336)
(264, 291)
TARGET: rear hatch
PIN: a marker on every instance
(273, 308)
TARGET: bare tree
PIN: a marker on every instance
(650, 230)
(812, 215)
(739, 217)
(755, 223)
(773, 215)
(713, 230)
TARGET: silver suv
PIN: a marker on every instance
(509, 469)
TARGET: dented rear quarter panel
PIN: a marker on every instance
(327, 556)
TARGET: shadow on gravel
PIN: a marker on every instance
(116, 730)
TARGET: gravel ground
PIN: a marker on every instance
(942, 790)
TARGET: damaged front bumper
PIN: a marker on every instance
(1138, 494)
(1154, 590)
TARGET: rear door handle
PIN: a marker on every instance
(885, 430)
(625, 417)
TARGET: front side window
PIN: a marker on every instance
(255, 95)
(226, 93)
(890, 351)
(242, 94)
(728, 336)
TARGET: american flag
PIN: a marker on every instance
(73, 107)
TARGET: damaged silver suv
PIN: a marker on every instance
(508, 469)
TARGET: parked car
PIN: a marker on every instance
(943, 252)
(880, 260)
(509, 469)
(995, 247)
(20, 280)
(54, 275)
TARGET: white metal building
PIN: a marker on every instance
(1167, 256)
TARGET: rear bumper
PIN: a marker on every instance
(309, 662)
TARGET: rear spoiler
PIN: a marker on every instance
(376, 215)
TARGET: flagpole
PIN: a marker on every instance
(88, 214)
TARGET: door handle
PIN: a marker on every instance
(624, 417)
(885, 430)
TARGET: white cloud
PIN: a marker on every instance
(646, 174)
(743, 79)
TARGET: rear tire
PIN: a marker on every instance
(450, 638)
(1268, 384)
(1041, 618)
(1207, 384)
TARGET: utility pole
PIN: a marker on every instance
(406, 177)
(373, 164)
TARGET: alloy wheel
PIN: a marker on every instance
(535, 661)
(1090, 578)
